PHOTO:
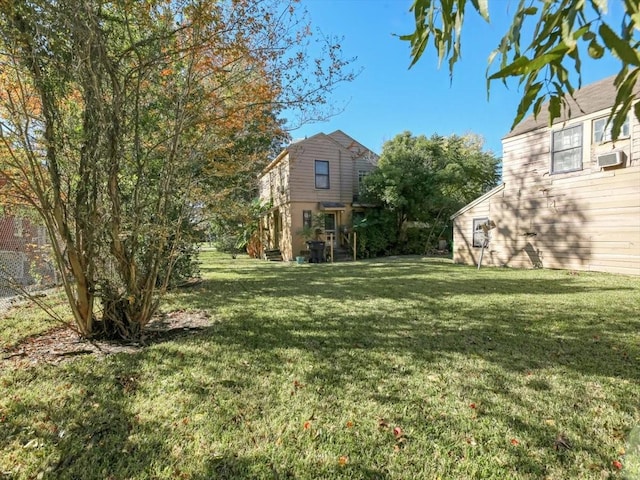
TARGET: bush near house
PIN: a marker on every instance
(424, 180)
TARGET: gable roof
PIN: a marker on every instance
(340, 139)
(591, 98)
(478, 200)
(350, 143)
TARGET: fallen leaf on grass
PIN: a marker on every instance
(349, 424)
(343, 460)
(306, 425)
(617, 465)
(515, 442)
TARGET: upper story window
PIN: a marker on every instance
(602, 131)
(361, 175)
(566, 150)
(322, 174)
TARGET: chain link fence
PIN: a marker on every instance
(26, 264)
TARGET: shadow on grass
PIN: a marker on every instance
(515, 319)
(349, 321)
(86, 432)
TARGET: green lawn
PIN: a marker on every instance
(395, 368)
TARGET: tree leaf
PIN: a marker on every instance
(554, 108)
(516, 67)
(537, 106)
(595, 50)
(482, 7)
(621, 48)
(530, 94)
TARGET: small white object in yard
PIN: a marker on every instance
(486, 229)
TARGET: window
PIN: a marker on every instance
(361, 175)
(322, 174)
(602, 131)
(478, 234)
(330, 222)
(566, 153)
(306, 219)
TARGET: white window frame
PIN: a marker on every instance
(564, 149)
(605, 130)
(476, 240)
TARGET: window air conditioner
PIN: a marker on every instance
(610, 159)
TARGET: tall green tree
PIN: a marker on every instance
(546, 40)
(427, 179)
(111, 112)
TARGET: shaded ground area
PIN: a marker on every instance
(62, 343)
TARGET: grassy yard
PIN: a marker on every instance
(387, 369)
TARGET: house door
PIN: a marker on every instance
(330, 228)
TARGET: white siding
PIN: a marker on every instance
(583, 220)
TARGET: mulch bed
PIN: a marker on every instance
(62, 344)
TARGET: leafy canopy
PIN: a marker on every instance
(118, 119)
(427, 179)
(562, 30)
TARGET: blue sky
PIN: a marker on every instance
(388, 98)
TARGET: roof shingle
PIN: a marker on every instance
(591, 98)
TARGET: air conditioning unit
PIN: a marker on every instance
(610, 159)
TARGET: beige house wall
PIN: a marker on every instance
(302, 181)
(289, 184)
(584, 220)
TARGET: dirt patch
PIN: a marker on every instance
(62, 344)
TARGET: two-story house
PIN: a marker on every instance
(318, 175)
(570, 197)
